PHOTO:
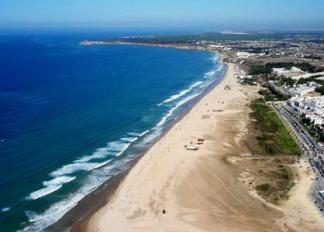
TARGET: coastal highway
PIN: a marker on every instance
(308, 145)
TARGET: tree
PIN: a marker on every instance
(320, 90)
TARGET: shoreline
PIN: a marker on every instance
(139, 203)
(77, 216)
(91, 219)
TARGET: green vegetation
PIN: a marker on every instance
(314, 131)
(320, 90)
(310, 79)
(280, 181)
(270, 95)
(274, 138)
(274, 178)
(287, 81)
(260, 68)
(257, 69)
(274, 151)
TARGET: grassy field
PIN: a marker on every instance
(275, 151)
(275, 183)
(273, 136)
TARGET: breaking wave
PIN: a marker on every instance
(180, 94)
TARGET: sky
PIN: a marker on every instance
(194, 14)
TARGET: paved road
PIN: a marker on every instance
(308, 145)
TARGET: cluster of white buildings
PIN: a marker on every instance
(311, 108)
(308, 75)
(246, 55)
(294, 71)
(300, 90)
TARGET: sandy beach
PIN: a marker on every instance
(174, 189)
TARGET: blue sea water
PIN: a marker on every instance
(73, 116)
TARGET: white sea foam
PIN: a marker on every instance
(44, 191)
(201, 87)
(119, 147)
(122, 151)
(100, 153)
(154, 134)
(40, 221)
(77, 167)
(221, 66)
(199, 84)
(210, 74)
(138, 134)
(129, 139)
(50, 187)
(173, 109)
(216, 58)
(144, 133)
(181, 93)
(115, 148)
(5, 209)
(134, 134)
(59, 180)
(156, 131)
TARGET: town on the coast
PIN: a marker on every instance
(290, 73)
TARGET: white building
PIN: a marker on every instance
(215, 46)
(308, 75)
(294, 71)
(311, 107)
(244, 55)
(301, 90)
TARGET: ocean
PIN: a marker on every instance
(73, 116)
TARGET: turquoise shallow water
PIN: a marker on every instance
(72, 116)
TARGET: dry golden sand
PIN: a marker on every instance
(202, 190)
